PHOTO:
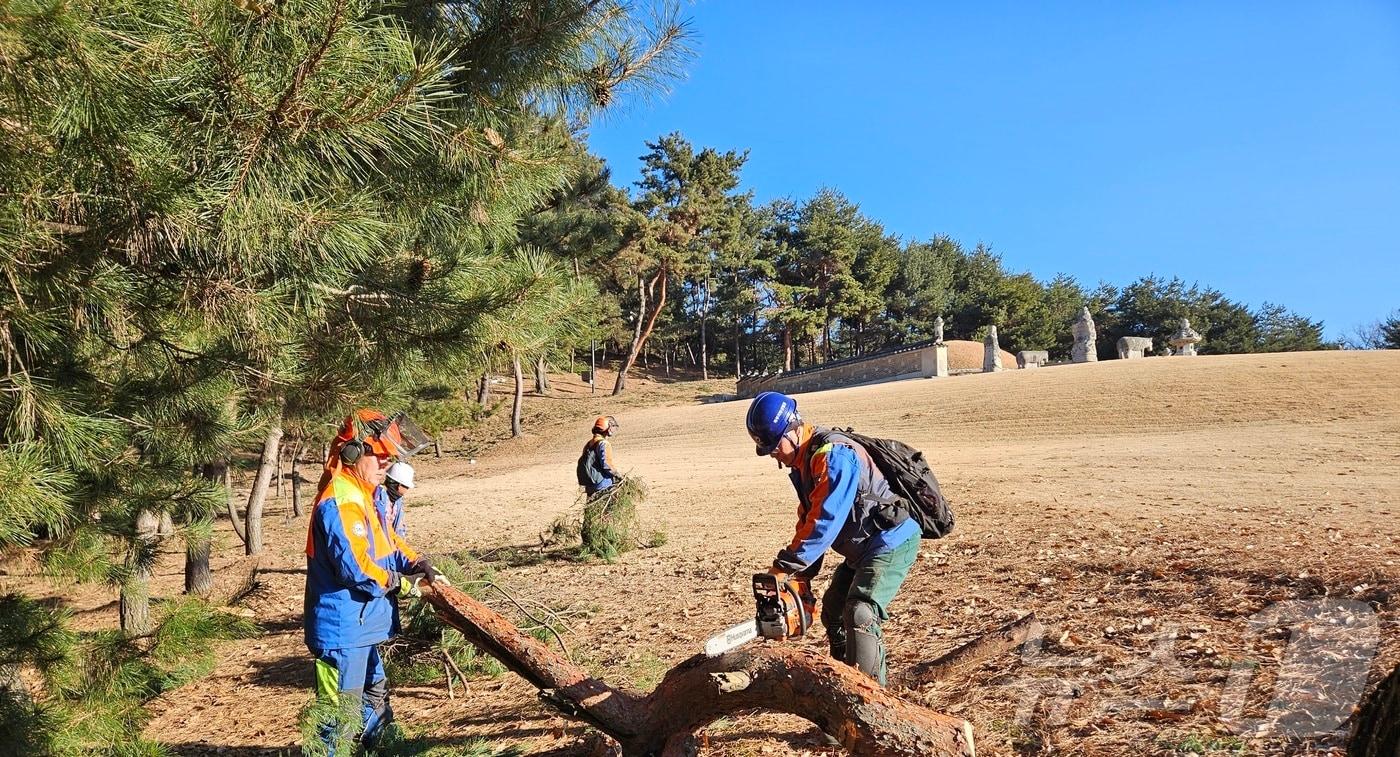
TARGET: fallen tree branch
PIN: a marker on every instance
(526, 613)
(453, 664)
(866, 719)
(974, 652)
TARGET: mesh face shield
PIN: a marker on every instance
(405, 436)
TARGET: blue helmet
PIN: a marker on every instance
(770, 416)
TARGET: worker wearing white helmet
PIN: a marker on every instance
(398, 479)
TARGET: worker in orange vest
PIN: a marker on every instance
(355, 565)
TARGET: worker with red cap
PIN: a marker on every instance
(596, 471)
(355, 564)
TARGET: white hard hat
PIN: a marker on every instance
(402, 473)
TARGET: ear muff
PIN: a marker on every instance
(352, 451)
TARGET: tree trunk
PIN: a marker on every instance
(841, 700)
(693, 362)
(296, 480)
(738, 356)
(11, 683)
(541, 376)
(277, 473)
(666, 356)
(704, 342)
(272, 443)
(238, 527)
(640, 336)
(134, 604)
(199, 577)
(621, 382)
(787, 348)
(516, 406)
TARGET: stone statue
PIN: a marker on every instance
(991, 359)
(1185, 339)
(1130, 347)
(1032, 358)
(940, 350)
(1084, 350)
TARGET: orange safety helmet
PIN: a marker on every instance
(368, 430)
(365, 430)
(604, 424)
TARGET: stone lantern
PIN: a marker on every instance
(1184, 341)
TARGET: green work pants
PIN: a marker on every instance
(856, 604)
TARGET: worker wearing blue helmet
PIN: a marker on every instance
(844, 504)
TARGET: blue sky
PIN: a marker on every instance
(1250, 146)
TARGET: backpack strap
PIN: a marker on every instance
(895, 509)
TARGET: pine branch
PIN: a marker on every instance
(279, 111)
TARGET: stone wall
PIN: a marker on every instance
(914, 361)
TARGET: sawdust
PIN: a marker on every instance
(1121, 501)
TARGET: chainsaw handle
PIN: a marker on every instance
(803, 614)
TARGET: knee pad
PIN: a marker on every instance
(377, 712)
(377, 694)
(861, 617)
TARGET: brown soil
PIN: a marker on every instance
(1120, 501)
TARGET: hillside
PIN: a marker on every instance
(1120, 501)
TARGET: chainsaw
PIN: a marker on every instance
(782, 610)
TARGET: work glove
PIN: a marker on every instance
(408, 585)
(427, 569)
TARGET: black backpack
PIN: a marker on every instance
(911, 480)
(588, 474)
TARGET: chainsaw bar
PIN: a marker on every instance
(731, 638)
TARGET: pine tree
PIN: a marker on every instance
(1282, 330)
(1390, 333)
(221, 221)
(741, 275)
(922, 289)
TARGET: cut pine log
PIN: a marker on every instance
(843, 702)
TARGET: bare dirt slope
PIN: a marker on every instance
(1126, 503)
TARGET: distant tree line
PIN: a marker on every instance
(692, 271)
(1383, 334)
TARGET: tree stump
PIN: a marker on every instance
(842, 701)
